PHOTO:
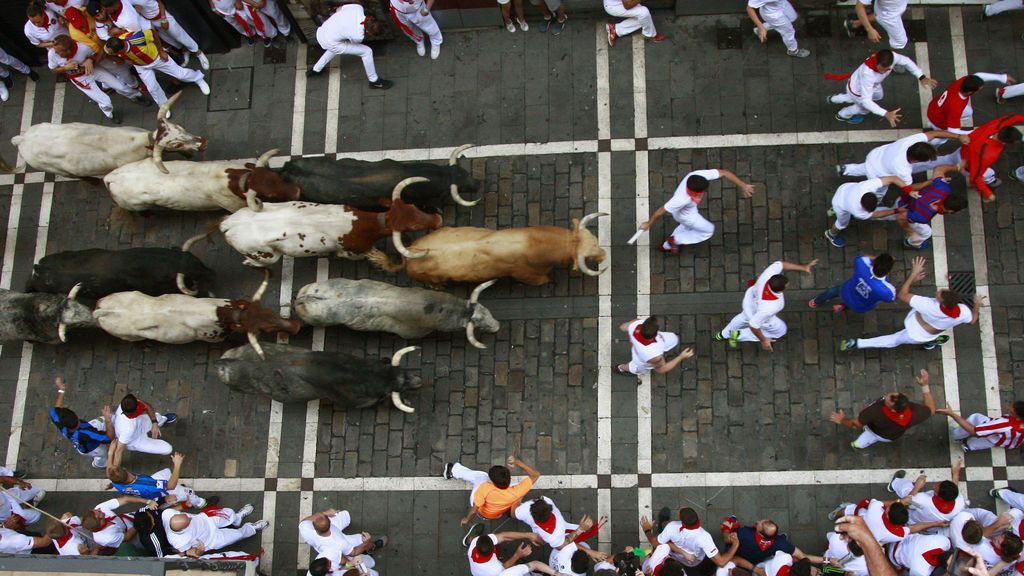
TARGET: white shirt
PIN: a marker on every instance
(681, 206)
(491, 567)
(891, 159)
(875, 517)
(848, 195)
(345, 24)
(757, 4)
(200, 528)
(556, 537)
(69, 545)
(646, 352)
(148, 9)
(113, 534)
(12, 542)
(919, 553)
(839, 550)
(698, 543)
(561, 560)
(58, 9)
(79, 77)
(923, 509)
(887, 7)
(931, 312)
(759, 309)
(130, 20)
(777, 562)
(336, 539)
(863, 81)
(37, 34)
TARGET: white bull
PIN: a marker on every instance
(80, 150)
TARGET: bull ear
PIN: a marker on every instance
(250, 165)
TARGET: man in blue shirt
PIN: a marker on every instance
(760, 542)
(867, 287)
(90, 438)
(162, 486)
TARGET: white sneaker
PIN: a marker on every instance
(261, 525)
(203, 86)
(203, 60)
(510, 27)
(4, 94)
(245, 511)
(421, 49)
(524, 25)
(435, 51)
(39, 497)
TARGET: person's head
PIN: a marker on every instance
(146, 521)
(897, 402)
(801, 567)
(689, 518)
(322, 524)
(649, 328)
(110, 5)
(947, 298)
(1009, 545)
(898, 514)
(971, 84)
(56, 530)
(92, 520)
(921, 152)
(320, 567)
(484, 546)
(884, 59)
(778, 283)
(971, 532)
(954, 203)
(767, 528)
(114, 45)
(129, 404)
(882, 265)
(672, 567)
(947, 490)
(179, 522)
(500, 476)
(580, 562)
(117, 475)
(1016, 410)
(36, 13)
(67, 418)
(869, 201)
(96, 11)
(626, 562)
(697, 183)
(540, 510)
(1008, 135)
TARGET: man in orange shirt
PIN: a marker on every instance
(493, 494)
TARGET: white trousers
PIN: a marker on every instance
(694, 230)
(1003, 6)
(636, 18)
(171, 68)
(226, 534)
(140, 440)
(273, 10)
(892, 23)
(338, 47)
(773, 328)
(867, 438)
(854, 101)
(977, 442)
(951, 158)
(639, 367)
(174, 34)
(118, 77)
(474, 477)
(1014, 499)
(13, 62)
(1013, 90)
(891, 340)
(89, 86)
(250, 22)
(781, 20)
(410, 22)
(181, 492)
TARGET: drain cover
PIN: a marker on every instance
(963, 284)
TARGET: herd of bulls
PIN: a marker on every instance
(308, 207)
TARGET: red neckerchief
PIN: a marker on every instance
(64, 539)
(48, 21)
(657, 569)
(113, 16)
(74, 49)
(762, 542)
(693, 526)
(901, 418)
(862, 505)
(482, 559)
(140, 409)
(696, 196)
(640, 337)
(783, 571)
(896, 529)
(953, 312)
(548, 525)
(767, 293)
(944, 506)
(932, 556)
(872, 62)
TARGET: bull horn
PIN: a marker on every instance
(188, 243)
(396, 399)
(581, 260)
(62, 328)
(254, 203)
(397, 192)
(179, 279)
(458, 152)
(161, 113)
(255, 343)
(479, 290)
(396, 359)
(471, 336)
(158, 156)
(262, 161)
(396, 237)
(263, 286)
(460, 200)
(74, 291)
(586, 219)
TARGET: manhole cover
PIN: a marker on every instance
(963, 284)
(230, 89)
(730, 38)
(819, 26)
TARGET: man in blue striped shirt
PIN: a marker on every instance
(90, 438)
(162, 486)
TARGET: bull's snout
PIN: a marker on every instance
(290, 326)
(202, 143)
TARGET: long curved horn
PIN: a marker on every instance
(263, 287)
(479, 290)
(255, 343)
(254, 203)
(455, 187)
(73, 294)
(396, 238)
(586, 219)
(396, 399)
(471, 335)
(179, 279)
(188, 243)
(262, 161)
(581, 260)
(62, 328)
(396, 359)
(161, 113)
(158, 156)
(458, 152)
(397, 192)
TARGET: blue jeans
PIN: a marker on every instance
(829, 294)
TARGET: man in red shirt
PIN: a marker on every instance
(980, 432)
(948, 110)
(976, 157)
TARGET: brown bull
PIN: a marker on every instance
(479, 254)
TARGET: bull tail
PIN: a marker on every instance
(209, 230)
(381, 260)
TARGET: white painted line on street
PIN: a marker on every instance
(14, 215)
(299, 102)
(604, 281)
(333, 106)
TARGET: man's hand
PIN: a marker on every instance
(424, 12)
(853, 527)
(645, 225)
(688, 353)
(731, 538)
(766, 345)
(512, 462)
(61, 386)
(894, 117)
(154, 431)
(645, 524)
(523, 550)
(163, 55)
(366, 537)
(837, 417)
(810, 266)
(964, 139)
(152, 505)
(748, 190)
(929, 82)
(463, 522)
(177, 458)
(586, 523)
(23, 485)
(873, 36)
(978, 301)
(762, 33)
(88, 65)
(917, 271)
(107, 413)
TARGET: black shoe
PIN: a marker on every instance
(117, 116)
(447, 474)
(33, 75)
(381, 84)
(251, 40)
(380, 543)
(267, 42)
(474, 531)
(310, 73)
(895, 475)
(213, 500)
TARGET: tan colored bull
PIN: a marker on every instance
(469, 254)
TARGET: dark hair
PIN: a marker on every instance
(954, 203)
(649, 328)
(115, 44)
(109, 3)
(1018, 407)
(580, 562)
(884, 57)
(898, 513)
(971, 532)
(320, 567)
(778, 282)
(540, 510)
(35, 9)
(64, 41)
(948, 491)
(697, 183)
(921, 152)
(801, 567)
(971, 84)
(1008, 135)
(93, 7)
(855, 548)
(484, 544)
(1011, 547)
(901, 403)
(948, 298)
(869, 201)
(626, 563)
(144, 522)
(129, 403)
(500, 476)
(672, 567)
(67, 418)
(882, 265)
(688, 516)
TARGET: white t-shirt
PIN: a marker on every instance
(839, 550)
(148, 9)
(924, 509)
(345, 24)
(489, 566)
(681, 206)
(877, 521)
(336, 539)
(887, 7)
(931, 312)
(130, 20)
(556, 537)
(12, 542)
(112, 534)
(646, 352)
(891, 159)
(69, 544)
(760, 303)
(777, 562)
(919, 553)
(698, 543)
(39, 34)
(199, 528)
(862, 85)
(561, 560)
(847, 197)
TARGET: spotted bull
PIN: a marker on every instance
(80, 150)
(361, 184)
(292, 374)
(479, 254)
(42, 318)
(152, 271)
(408, 312)
(179, 319)
(302, 229)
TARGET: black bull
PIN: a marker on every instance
(368, 185)
(152, 271)
(291, 374)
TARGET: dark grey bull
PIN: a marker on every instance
(152, 271)
(408, 312)
(364, 185)
(291, 374)
(41, 318)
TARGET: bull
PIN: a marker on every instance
(478, 254)
(152, 271)
(361, 184)
(408, 312)
(215, 185)
(291, 374)
(80, 150)
(302, 229)
(42, 318)
(179, 319)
